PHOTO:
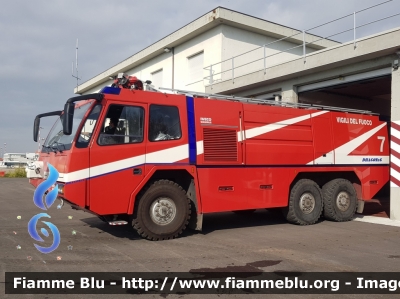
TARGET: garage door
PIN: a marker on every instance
(345, 79)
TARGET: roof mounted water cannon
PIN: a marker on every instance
(150, 87)
(124, 81)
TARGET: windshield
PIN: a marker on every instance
(56, 140)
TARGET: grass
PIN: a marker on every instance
(16, 173)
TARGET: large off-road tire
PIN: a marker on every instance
(163, 211)
(305, 203)
(340, 200)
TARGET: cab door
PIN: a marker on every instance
(117, 157)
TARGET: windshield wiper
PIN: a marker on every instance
(57, 145)
(54, 149)
(46, 147)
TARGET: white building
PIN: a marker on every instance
(184, 58)
(231, 53)
(18, 159)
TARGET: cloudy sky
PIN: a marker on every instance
(37, 43)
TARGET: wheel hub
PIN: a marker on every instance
(307, 203)
(163, 211)
(343, 201)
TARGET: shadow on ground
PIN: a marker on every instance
(380, 205)
(211, 222)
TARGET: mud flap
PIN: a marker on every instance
(196, 220)
(360, 206)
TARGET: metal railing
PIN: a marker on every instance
(265, 102)
(225, 69)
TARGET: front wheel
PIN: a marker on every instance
(163, 211)
(305, 203)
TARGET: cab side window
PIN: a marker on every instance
(122, 125)
(164, 123)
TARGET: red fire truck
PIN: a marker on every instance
(160, 161)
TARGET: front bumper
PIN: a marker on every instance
(34, 170)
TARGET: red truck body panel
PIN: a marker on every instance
(246, 155)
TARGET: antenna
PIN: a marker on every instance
(76, 59)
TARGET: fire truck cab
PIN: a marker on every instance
(159, 161)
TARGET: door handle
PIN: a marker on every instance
(137, 171)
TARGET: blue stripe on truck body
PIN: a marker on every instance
(191, 130)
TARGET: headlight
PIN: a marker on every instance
(61, 188)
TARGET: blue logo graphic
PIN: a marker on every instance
(43, 187)
(32, 231)
(44, 205)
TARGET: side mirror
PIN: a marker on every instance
(68, 118)
(36, 125)
(69, 109)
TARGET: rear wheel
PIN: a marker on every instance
(305, 203)
(340, 200)
(163, 211)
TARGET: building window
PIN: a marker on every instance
(164, 123)
(195, 68)
(122, 125)
(157, 78)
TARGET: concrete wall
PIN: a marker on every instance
(237, 41)
(163, 61)
(395, 147)
(371, 53)
(219, 43)
(209, 42)
(97, 88)
(288, 86)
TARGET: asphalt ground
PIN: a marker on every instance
(229, 242)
